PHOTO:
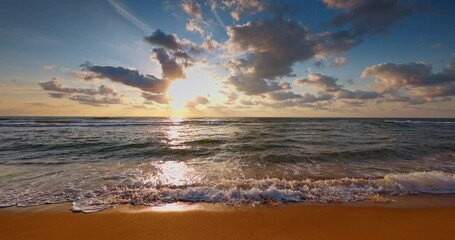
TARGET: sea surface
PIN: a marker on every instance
(97, 163)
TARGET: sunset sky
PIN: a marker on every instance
(312, 58)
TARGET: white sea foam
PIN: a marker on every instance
(424, 182)
(234, 191)
(276, 190)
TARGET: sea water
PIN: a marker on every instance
(96, 163)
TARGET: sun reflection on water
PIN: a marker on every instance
(175, 173)
(175, 134)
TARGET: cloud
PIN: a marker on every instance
(404, 99)
(246, 102)
(48, 67)
(357, 94)
(54, 85)
(369, 17)
(341, 3)
(283, 99)
(389, 76)
(128, 77)
(340, 61)
(329, 93)
(230, 95)
(194, 26)
(268, 48)
(57, 94)
(192, 8)
(268, 56)
(283, 39)
(168, 41)
(242, 7)
(362, 18)
(156, 98)
(195, 22)
(209, 44)
(437, 46)
(413, 80)
(251, 85)
(173, 54)
(283, 95)
(100, 96)
(321, 82)
(196, 101)
(170, 68)
(95, 101)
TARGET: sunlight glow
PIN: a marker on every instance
(176, 207)
(173, 173)
(199, 82)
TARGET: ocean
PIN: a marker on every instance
(97, 163)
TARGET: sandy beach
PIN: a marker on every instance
(412, 217)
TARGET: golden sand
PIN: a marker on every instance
(430, 217)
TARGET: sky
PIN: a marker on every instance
(221, 58)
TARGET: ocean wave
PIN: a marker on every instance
(108, 122)
(420, 121)
(76, 124)
(240, 191)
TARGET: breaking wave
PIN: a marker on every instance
(241, 191)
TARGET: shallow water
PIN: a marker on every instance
(99, 162)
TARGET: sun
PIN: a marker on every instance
(199, 82)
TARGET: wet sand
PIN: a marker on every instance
(414, 217)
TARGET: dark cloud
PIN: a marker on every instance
(95, 101)
(269, 56)
(413, 82)
(357, 94)
(441, 90)
(329, 92)
(170, 68)
(57, 94)
(270, 47)
(397, 97)
(311, 98)
(169, 41)
(172, 43)
(363, 18)
(128, 77)
(251, 85)
(54, 85)
(283, 95)
(321, 82)
(100, 96)
(155, 98)
(283, 99)
(173, 54)
(282, 40)
(371, 16)
(390, 75)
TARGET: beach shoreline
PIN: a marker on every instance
(408, 217)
